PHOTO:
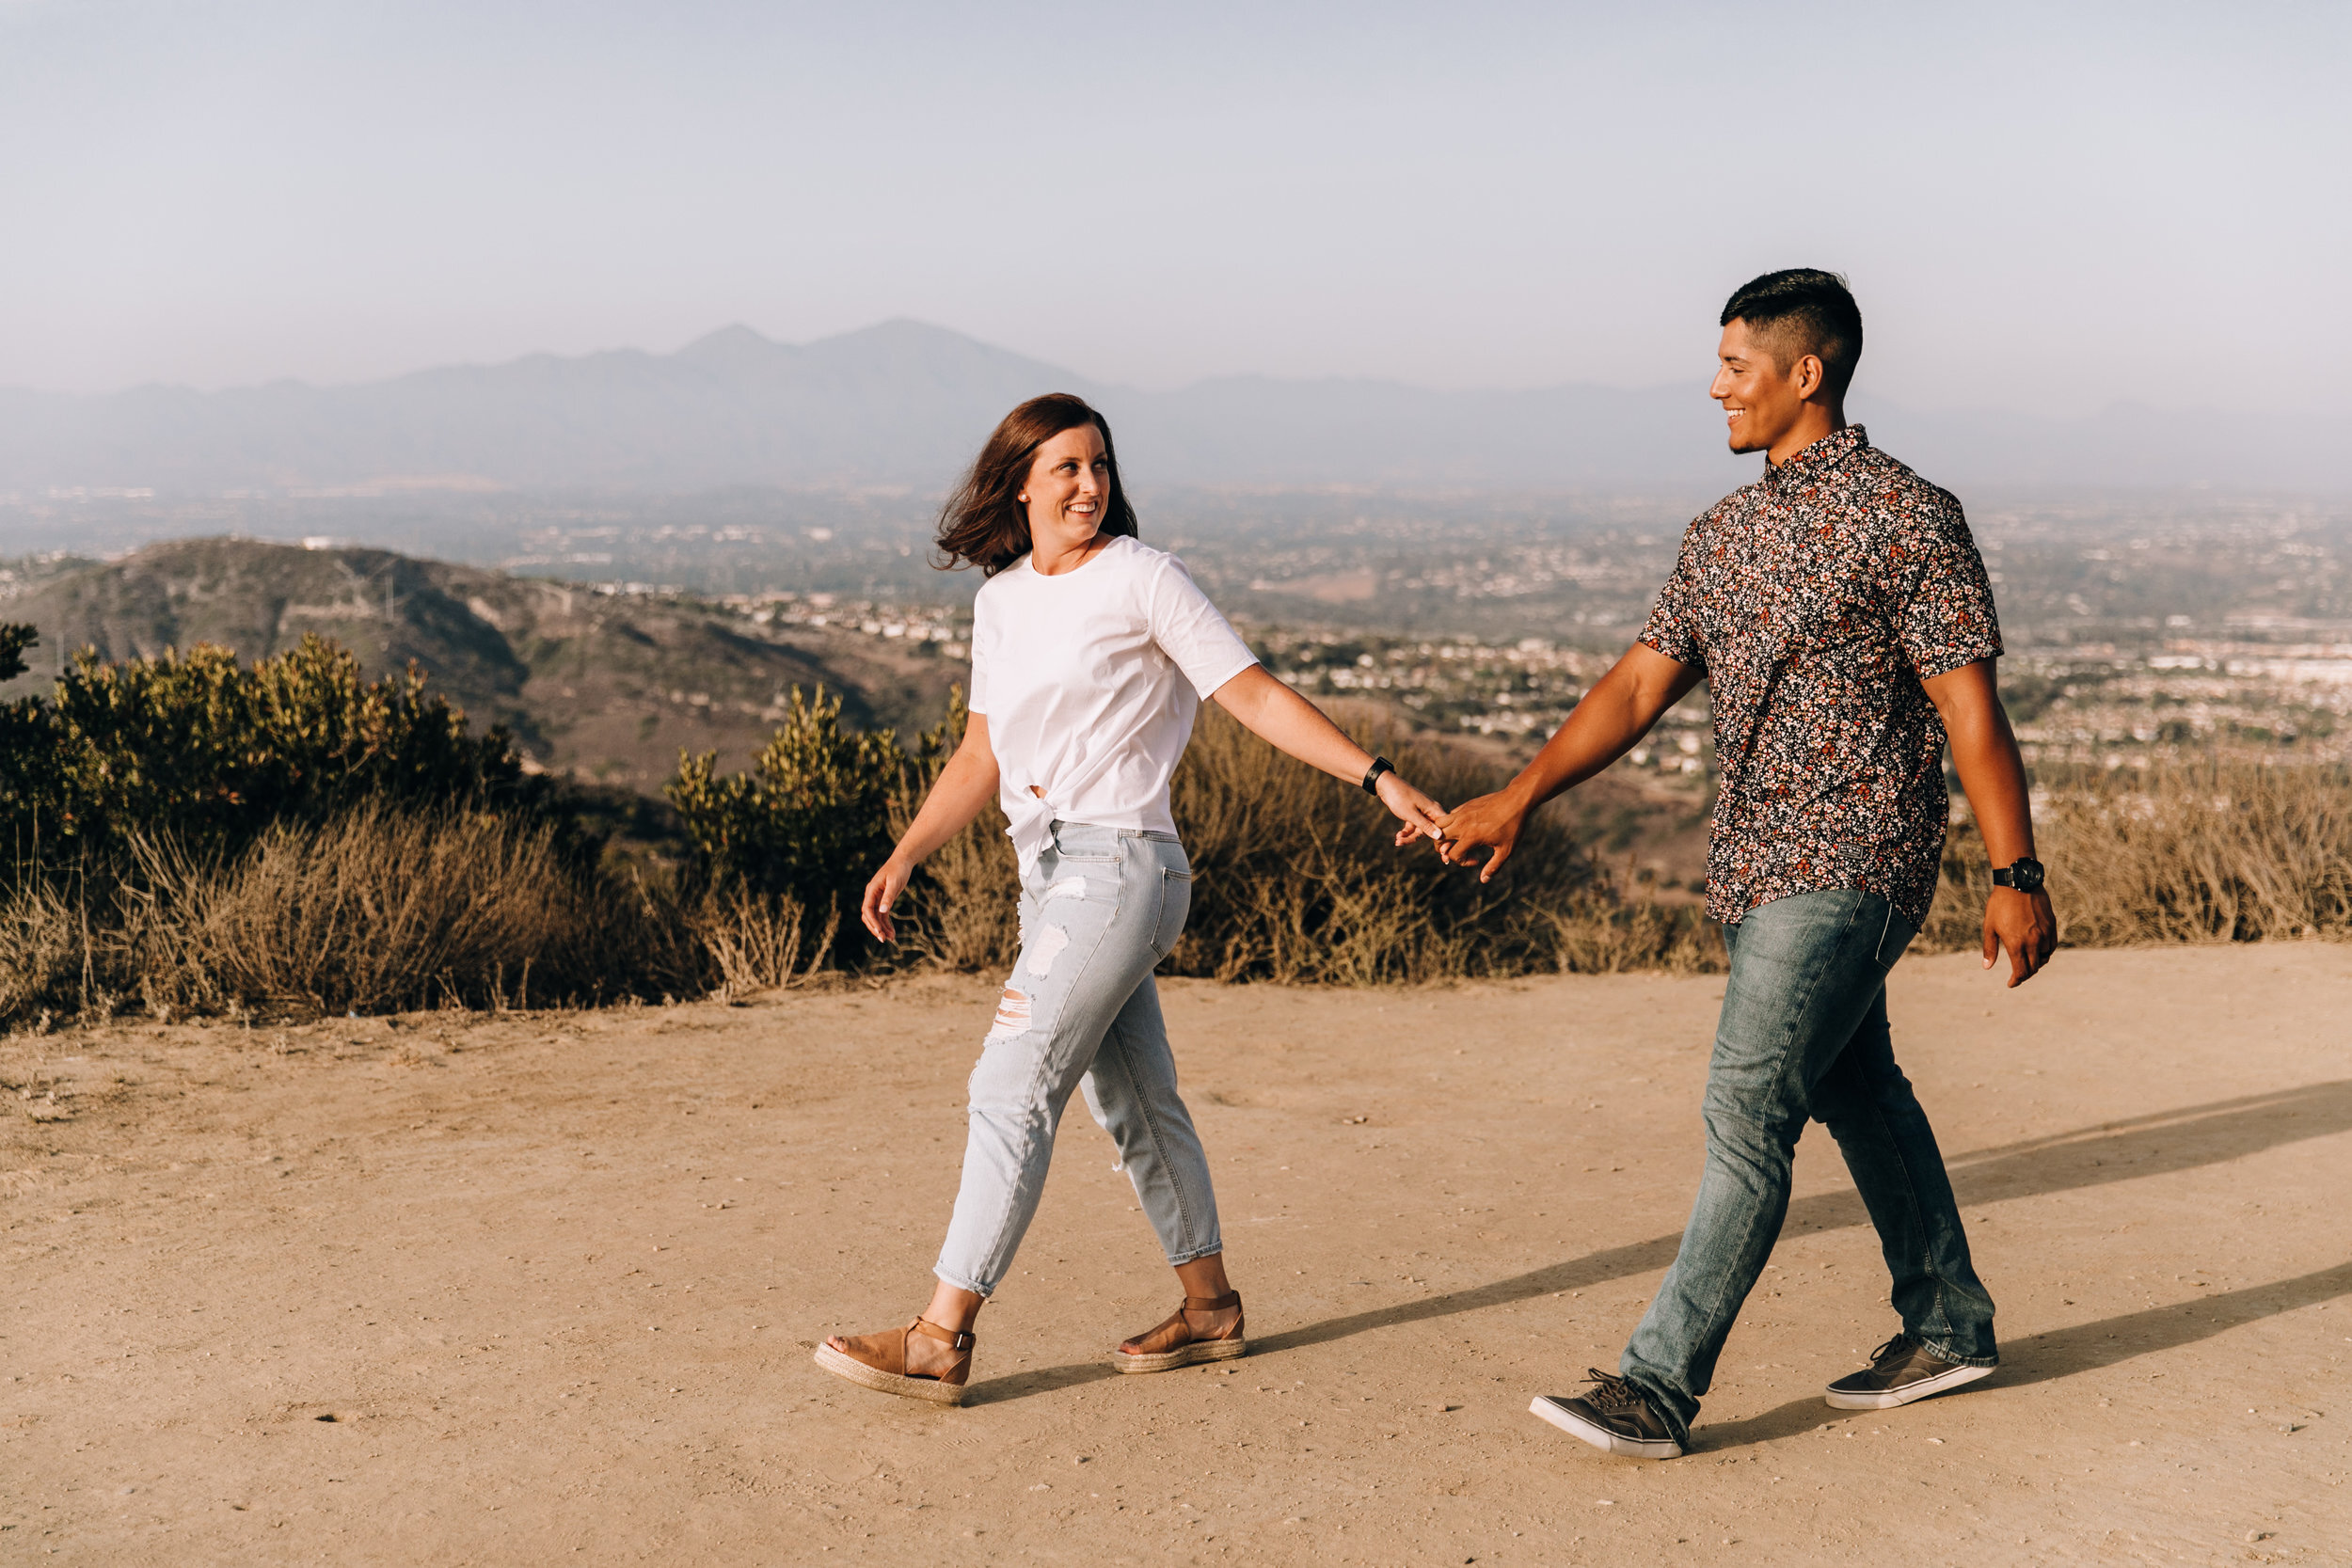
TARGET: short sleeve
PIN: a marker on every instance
(977, 700)
(1188, 629)
(1948, 619)
(1673, 626)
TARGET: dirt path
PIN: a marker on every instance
(556, 1279)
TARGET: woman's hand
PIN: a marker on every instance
(880, 893)
(1417, 811)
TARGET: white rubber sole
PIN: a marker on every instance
(1187, 1355)
(854, 1371)
(1547, 1407)
(1891, 1398)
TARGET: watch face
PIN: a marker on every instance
(2027, 876)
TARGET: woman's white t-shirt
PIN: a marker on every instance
(1090, 681)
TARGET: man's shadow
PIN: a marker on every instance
(2152, 1145)
(2086, 1347)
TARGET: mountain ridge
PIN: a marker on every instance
(906, 403)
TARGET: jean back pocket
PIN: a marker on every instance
(1175, 906)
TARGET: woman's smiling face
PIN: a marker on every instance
(1069, 488)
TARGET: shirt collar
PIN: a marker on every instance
(1818, 458)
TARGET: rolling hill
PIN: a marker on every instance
(606, 687)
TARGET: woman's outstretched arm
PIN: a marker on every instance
(964, 790)
(1289, 722)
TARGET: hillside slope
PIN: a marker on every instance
(607, 687)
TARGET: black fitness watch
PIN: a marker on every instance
(2024, 874)
(1372, 774)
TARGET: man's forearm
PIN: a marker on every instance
(1984, 752)
(1594, 735)
(1619, 709)
(1993, 776)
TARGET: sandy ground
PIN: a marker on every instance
(543, 1289)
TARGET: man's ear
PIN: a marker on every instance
(1809, 376)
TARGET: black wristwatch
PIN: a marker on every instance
(2024, 874)
(1372, 774)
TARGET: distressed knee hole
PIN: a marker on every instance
(1012, 1014)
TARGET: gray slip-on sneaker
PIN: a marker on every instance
(1900, 1371)
(1612, 1414)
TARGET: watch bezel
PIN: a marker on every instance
(2007, 874)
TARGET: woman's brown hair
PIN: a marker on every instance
(984, 523)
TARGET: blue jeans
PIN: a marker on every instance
(1804, 1034)
(1099, 910)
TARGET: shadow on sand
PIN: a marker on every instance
(2152, 1144)
(2086, 1347)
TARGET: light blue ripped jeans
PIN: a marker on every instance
(1099, 910)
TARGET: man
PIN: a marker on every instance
(1841, 617)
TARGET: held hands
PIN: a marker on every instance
(1493, 820)
(880, 893)
(2023, 924)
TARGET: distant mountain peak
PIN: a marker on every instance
(731, 346)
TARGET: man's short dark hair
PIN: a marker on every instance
(1804, 311)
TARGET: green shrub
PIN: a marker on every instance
(29, 779)
(810, 820)
(207, 752)
(961, 908)
(204, 835)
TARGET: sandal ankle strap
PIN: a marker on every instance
(1211, 1304)
(947, 1336)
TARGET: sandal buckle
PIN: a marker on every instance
(956, 1339)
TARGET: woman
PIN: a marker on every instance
(1087, 650)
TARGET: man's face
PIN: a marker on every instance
(1761, 401)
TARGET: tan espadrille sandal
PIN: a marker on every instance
(879, 1361)
(1176, 1343)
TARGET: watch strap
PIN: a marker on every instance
(1372, 774)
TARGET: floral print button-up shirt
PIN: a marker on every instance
(1818, 599)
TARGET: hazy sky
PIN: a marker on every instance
(2045, 207)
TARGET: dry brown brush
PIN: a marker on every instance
(2208, 851)
(377, 910)
(1297, 880)
(394, 906)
